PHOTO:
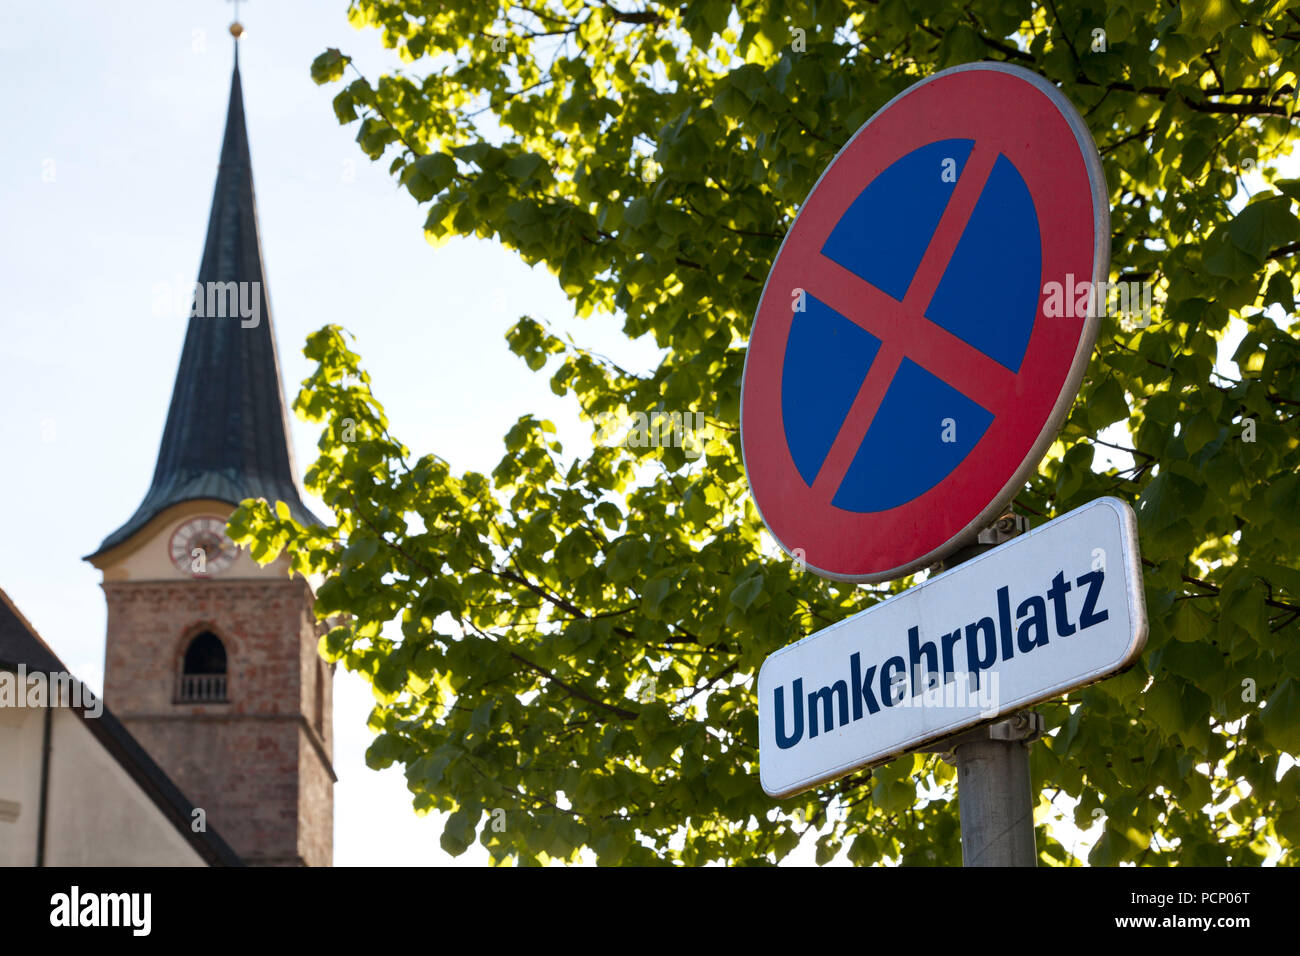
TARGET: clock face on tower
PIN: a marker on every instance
(200, 548)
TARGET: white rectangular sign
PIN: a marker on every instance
(1029, 620)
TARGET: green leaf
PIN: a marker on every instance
(1163, 706)
(746, 592)
(1283, 500)
(361, 549)
(1198, 662)
(1264, 226)
(609, 514)
(437, 168)
(1189, 622)
(1169, 498)
(625, 561)
(1279, 721)
(524, 165)
(637, 212)
(1107, 404)
(653, 597)
(345, 108)
(1208, 18)
(458, 833)
(328, 67)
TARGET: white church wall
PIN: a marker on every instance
(98, 815)
(20, 783)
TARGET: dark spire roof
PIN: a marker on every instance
(227, 434)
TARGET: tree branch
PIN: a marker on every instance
(573, 690)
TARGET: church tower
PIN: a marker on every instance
(211, 661)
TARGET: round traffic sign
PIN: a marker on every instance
(903, 379)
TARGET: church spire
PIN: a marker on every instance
(227, 435)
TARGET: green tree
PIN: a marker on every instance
(579, 637)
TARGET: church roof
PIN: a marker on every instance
(21, 645)
(227, 434)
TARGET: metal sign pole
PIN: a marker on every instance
(997, 805)
(993, 784)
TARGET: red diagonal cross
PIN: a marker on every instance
(902, 328)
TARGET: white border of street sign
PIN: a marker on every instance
(1052, 571)
(1087, 339)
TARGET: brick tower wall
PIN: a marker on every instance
(260, 765)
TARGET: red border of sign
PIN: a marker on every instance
(1040, 132)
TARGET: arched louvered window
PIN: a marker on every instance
(203, 676)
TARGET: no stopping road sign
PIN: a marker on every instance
(902, 380)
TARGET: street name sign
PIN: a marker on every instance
(1043, 614)
(903, 378)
